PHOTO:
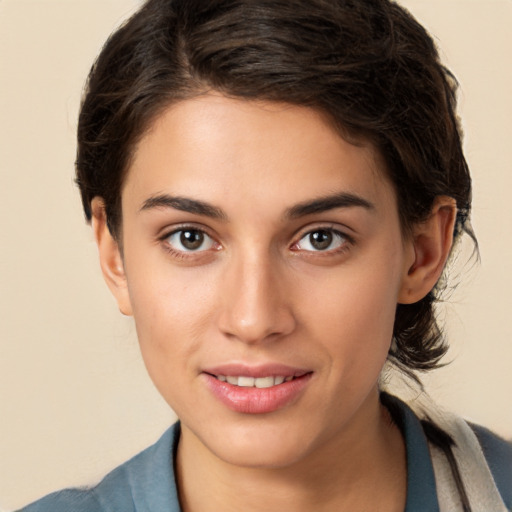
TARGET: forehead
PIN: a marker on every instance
(225, 149)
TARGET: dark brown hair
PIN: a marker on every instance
(368, 64)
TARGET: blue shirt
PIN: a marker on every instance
(146, 483)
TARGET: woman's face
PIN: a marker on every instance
(261, 248)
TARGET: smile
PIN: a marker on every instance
(257, 390)
(254, 382)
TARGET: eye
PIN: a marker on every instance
(321, 240)
(190, 240)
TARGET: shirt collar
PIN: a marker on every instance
(421, 483)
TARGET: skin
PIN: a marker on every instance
(256, 291)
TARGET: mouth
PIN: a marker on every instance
(257, 391)
(254, 382)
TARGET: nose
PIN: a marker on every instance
(256, 305)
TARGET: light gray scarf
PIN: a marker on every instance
(475, 474)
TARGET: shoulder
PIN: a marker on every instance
(498, 453)
(125, 487)
(441, 444)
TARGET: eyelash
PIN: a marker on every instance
(183, 254)
(346, 242)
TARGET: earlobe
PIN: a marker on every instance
(111, 260)
(431, 242)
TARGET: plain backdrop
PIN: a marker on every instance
(75, 400)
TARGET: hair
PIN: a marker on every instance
(367, 64)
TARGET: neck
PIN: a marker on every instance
(336, 476)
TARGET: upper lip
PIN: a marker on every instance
(256, 371)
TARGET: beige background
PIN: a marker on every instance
(74, 397)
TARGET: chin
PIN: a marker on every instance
(261, 444)
(269, 456)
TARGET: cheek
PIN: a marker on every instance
(171, 309)
(352, 312)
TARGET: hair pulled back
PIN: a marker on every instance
(368, 64)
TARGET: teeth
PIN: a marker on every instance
(250, 382)
(246, 382)
(264, 382)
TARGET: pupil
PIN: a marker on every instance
(191, 239)
(321, 240)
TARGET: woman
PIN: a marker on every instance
(275, 188)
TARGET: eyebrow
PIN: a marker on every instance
(326, 203)
(184, 204)
(317, 205)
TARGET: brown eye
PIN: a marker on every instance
(190, 240)
(322, 240)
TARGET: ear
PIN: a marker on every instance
(111, 260)
(431, 241)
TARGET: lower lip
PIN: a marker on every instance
(257, 400)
